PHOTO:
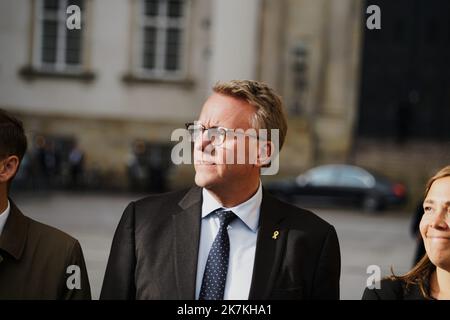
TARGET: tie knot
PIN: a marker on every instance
(225, 218)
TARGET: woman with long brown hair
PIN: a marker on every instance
(430, 277)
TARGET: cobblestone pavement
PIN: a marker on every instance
(365, 240)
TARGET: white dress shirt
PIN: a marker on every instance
(242, 232)
(3, 217)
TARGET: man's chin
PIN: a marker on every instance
(204, 180)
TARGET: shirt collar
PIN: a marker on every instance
(3, 217)
(247, 211)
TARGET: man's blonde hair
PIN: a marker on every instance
(269, 106)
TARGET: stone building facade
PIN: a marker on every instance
(139, 69)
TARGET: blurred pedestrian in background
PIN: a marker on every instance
(76, 164)
(138, 166)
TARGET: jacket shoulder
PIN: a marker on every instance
(161, 198)
(297, 215)
(50, 234)
(50, 237)
(388, 289)
(35, 235)
(156, 207)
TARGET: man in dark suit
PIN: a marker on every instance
(225, 238)
(36, 260)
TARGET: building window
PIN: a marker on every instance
(57, 48)
(162, 31)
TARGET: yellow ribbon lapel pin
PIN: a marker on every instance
(275, 235)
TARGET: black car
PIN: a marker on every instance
(341, 185)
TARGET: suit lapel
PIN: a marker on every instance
(269, 249)
(187, 237)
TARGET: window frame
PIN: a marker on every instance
(60, 65)
(161, 22)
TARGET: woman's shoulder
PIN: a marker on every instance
(386, 289)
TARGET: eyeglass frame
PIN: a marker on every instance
(226, 130)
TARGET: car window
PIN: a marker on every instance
(354, 178)
(320, 177)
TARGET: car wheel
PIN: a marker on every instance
(372, 203)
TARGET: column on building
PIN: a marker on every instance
(234, 39)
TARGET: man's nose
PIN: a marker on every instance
(202, 141)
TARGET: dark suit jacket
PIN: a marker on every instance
(394, 290)
(155, 248)
(34, 258)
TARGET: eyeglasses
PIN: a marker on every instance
(216, 135)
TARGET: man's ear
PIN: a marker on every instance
(265, 153)
(8, 168)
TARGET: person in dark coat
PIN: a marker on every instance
(36, 261)
(225, 238)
